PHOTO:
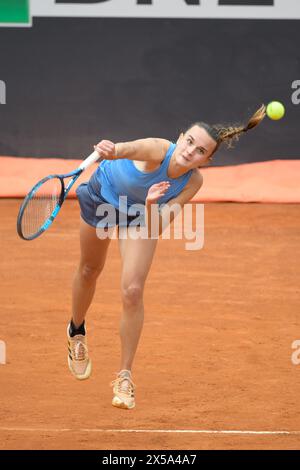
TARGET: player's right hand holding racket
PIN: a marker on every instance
(106, 149)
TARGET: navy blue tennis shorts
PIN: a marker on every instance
(89, 197)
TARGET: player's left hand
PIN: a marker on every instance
(156, 191)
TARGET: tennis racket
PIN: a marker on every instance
(44, 200)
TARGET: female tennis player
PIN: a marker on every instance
(151, 172)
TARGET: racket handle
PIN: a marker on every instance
(89, 161)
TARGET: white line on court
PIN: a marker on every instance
(153, 431)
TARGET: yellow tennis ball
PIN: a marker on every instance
(275, 110)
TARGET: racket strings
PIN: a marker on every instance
(40, 207)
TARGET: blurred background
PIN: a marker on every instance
(77, 72)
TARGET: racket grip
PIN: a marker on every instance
(89, 160)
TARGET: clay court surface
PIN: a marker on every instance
(215, 353)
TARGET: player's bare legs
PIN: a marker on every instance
(92, 260)
(137, 256)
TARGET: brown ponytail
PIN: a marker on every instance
(230, 134)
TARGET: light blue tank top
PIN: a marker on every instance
(120, 177)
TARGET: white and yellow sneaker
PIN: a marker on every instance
(123, 390)
(78, 358)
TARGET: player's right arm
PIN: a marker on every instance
(150, 150)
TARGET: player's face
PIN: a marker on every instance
(195, 148)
